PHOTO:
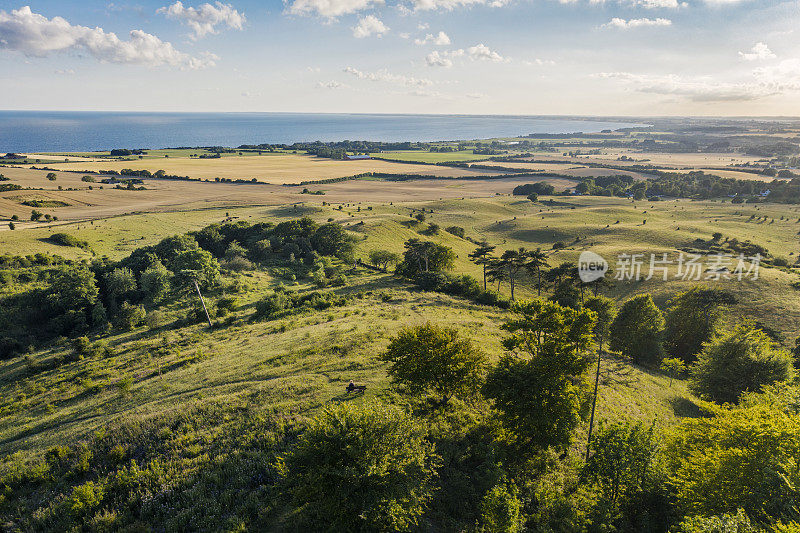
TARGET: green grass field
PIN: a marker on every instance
(203, 405)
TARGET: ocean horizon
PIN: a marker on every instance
(87, 131)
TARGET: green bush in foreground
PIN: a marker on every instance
(742, 360)
(361, 468)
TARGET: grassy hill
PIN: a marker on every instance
(174, 415)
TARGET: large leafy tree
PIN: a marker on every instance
(692, 317)
(426, 256)
(73, 289)
(539, 387)
(361, 468)
(434, 359)
(744, 457)
(637, 329)
(620, 462)
(332, 239)
(743, 360)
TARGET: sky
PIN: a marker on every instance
(517, 57)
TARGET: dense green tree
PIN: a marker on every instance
(743, 457)
(155, 281)
(120, 284)
(539, 388)
(199, 265)
(636, 330)
(742, 360)
(437, 360)
(73, 289)
(426, 256)
(621, 455)
(691, 320)
(361, 468)
(382, 258)
(332, 239)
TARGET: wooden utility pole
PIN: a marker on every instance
(202, 301)
(594, 401)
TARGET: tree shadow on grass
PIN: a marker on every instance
(684, 407)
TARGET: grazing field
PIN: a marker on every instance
(174, 354)
(271, 168)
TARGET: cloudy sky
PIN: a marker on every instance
(598, 57)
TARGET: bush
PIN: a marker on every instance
(361, 468)
(155, 319)
(456, 230)
(130, 316)
(742, 360)
(64, 239)
(238, 264)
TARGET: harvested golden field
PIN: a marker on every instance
(273, 168)
(103, 201)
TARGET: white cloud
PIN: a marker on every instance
(422, 26)
(440, 39)
(540, 62)
(65, 72)
(479, 52)
(330, 85)
(330, 8)
(35, 35)
(785, 76)
(203, 20)
(482, 52)
(385, 76)
(369, 25)
(448, 5)
(696, 90)
(435, 59)
(636, 23)
(759, 51)
(658, 4)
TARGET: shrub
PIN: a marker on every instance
(456, 230)
(130, 316)
(64, 239)
(155, 319)
(238, 264)
(361, 468)
(742, 360)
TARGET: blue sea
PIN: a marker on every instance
(50, 131)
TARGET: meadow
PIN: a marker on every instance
(133, 413)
